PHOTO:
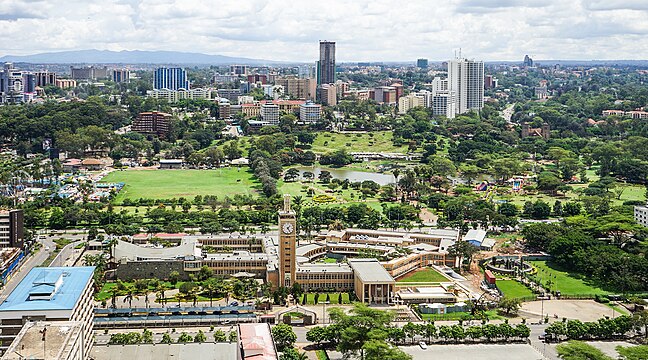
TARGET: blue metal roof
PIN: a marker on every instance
(44, 278)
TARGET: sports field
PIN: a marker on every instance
(513, 289)
(565, 282)
(424, 276)
(166, 184)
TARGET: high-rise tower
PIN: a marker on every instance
(287, 244)
(326, 64)
(170, 78)
(466, 80)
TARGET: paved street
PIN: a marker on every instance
(33, 260)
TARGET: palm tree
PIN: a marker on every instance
(113, 297)
(193, 294)
(396, 172)
(212, 285)
(131, 293)
(336, 225)
(161, 292)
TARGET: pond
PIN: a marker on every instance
(351, 175)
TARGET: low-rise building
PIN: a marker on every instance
(255, 342)
(51, 340)
(170, 164)
(310, 113)
(641, 215)
(270, 113)
(50, 294)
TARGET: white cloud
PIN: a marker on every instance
(364, 30)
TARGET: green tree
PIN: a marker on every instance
(463, 249)
(509, 305)
(166, 339)
(185, 338)
(293, 354)
(376, 349)
(576, 350)
(284, 336)
(220, 336)
(200, 337)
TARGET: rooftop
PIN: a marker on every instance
(29, 343)
(256, 342)
(52, 288)
(132, 252)
(370, 271)
(188, 351)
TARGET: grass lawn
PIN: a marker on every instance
(166, 184)
(375, 141)
(565, 282)
(334, 299)
(492, 315)
(423, 276)
(513, 289)
(321, 355)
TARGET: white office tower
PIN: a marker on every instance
(466, 80)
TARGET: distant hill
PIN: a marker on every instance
(131, 57)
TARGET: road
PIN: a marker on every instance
(507, 113)
(37, 259)
(33, 260)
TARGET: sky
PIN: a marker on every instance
(376, 30)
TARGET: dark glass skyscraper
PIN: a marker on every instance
(326, 64)
(170, 78)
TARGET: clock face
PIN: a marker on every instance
(287, 228)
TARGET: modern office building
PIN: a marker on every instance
(241, 70)
(11, 228)
(326, 64)
(422, 63)
(12, 85)
(170, 78)
(50, 294)
(152, 123)
(45, 78)
(173, 96)
(385, 95)
(310, 113)
(120, 75)
(490, 82)
(328, 94)
(270, 113)
(230, 94)
(66, 83)
(89, 73)
(297, 88)
(466, 80)
(528, 62)
(257, 79)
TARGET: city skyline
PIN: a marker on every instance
(364, 31)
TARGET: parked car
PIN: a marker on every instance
(234, 303)
(423, 345)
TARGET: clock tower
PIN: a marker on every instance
(287, 244)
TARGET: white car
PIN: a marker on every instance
(423, 345)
